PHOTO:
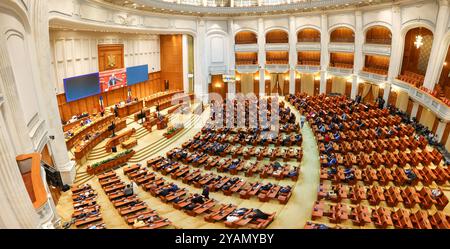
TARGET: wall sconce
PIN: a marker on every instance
(286, 78)
(445, 63)
(266, 77)
(257, 78)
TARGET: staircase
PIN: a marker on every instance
(162, 143)
(97, 153)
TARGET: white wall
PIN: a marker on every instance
(75, 52)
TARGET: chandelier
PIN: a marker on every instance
(419, 39)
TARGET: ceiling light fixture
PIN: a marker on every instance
(419, 39)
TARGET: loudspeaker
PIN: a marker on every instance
(114, 149)
(53, 176)
(65, 187)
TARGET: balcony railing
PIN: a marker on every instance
(341, 47)
(277, 68)
(308, 46)
(277, 47)
(247, 68)
(373, 76)
(340, 70)
(246, 48)
(308, 68)
(378, 49)
(434, 104)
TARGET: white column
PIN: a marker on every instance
(292, 53)
(231, 3)
(261, 56)
(49, 105)
(440, 129)
(201, 72)
(324, 55)
(396, 45)
(204, 2)
(414, 110)
(17, 211)
(354, 91)
(185, 58)
(232, 62)
(359, 41)
(437, 55)
(386, 93)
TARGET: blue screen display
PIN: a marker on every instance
(137, 74)
(81, 86)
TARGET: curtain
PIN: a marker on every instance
(365, 90)
(246, 83)
(307, 84)
(402, 101)
(280, 84)
(338, 85)
(375, 91)
(273, 83)
(427, 118)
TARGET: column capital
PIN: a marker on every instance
(443, 3)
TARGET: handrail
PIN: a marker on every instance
(40, 194)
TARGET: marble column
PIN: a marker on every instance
(15, 203)
(359, 41)
(292, 53)
(355, 83)
(185, 52)
(414, 110)
(201, 71)
(396, 45)
(232, 62)
(437, 55)
(261, 56)
(49, 107)
(440, 129)
(324, 54)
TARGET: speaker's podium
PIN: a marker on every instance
(162, 124)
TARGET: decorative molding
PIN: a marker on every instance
(341, 47)
(277, 46)
(277, 68)
(377, 49)
(308, 46)
(337, 71)
(246, 47)
(373, 77)
(307, 68)
(247, 68)
(439, 108)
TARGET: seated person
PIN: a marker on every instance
(436, 193)
(293, 172)
(197, 199)
(258, 214)
(286, 189)
(128, 191)
(267, 186)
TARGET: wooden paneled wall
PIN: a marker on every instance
(341, 58)
(308, 35)
(411, 53)
(218, 86)
(110, 56)
(245, 37)
(91, 104)
(276, 57)
(308, 56)
(172, 61)
(377, 62)
(246, 58)
(379, 35)
(342, 35)
(277, 36)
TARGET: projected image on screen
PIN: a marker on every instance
(113, 79)
(137, 74)
(81, 86)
